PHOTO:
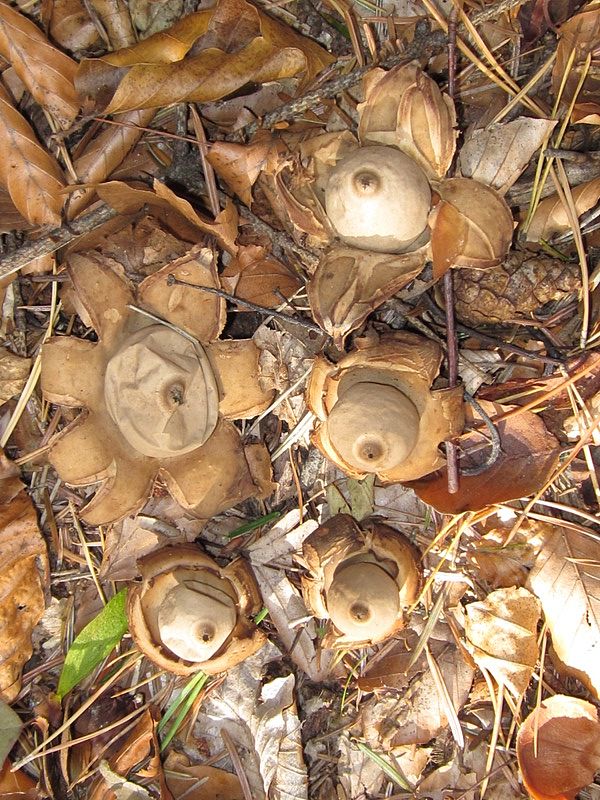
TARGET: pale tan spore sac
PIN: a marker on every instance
(360, 578)
(190, 614)
(376, 411)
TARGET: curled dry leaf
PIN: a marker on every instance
(239, 165)
(175, 212)
(503, 565)
(70, 25)
(104, 153)
(471, 226)
(256, 276)
(115, 19)
(204, 56)
(580, 34)
(189, 614)
(24, 575)
(199, 782)
(47, 73)
(558, 747)
(551, 218)
(30, 174)
(157, 400)
(527, 459)
(405, 108)
(501, 635)
(361, 579)
(349, 284)
(565, 577)
(498, 154)
(516, 288)
(376, 412)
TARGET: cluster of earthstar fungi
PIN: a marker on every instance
(160, 396)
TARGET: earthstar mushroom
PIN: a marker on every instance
(158, 398)
(189, 614)
(362, 578)
(376, 412)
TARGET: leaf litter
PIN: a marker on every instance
(212, 427)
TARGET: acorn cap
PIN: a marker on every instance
(378, 198)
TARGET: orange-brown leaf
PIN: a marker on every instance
(568, 748)
(580, 33)
(46, 72)
(176, 212)
(205, 56)
(527, 458)
(24, 567)
(259, 278)
(69, 24)
(551, 216)
(29, 173)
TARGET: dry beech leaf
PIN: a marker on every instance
(255, 276)
(567, 731)
(10, 218)
(498, 154)
(565, 577)
(174, 211)
(405, 108)
(31, 175)
(47, 73)
(70, 25)
(240, 165)
(528, 456)
(551, 218)
(24, 573)
(503, 565)
(580, 33)
(204, 56)
(104, 153)
(501, 635)
(200, 782)
(471, 226)
(349, 284)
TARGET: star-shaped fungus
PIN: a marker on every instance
(159, 399)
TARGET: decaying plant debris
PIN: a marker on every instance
(300, 400)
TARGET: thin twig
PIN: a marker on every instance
(451, 339)
(54, 239)
(305, 323)
(494, 436)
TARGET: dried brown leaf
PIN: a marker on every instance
(527, 459)
(176, 213)
(70, 25)
(471, 226)
(581, 34)
(501, 635)
(10, 219)
(31, 175)
(204, 56)
(349, 284)
(565, 577)
(240, 165)
(558, 747)
(46, 72)
(22, 583)
(104, 153)
(255, 276)
(498, 154)
(551, 216)
(200, 782)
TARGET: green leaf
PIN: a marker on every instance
(94, 643)
(10, 728)
(362, 497)
(256, 523)
(336, 501)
